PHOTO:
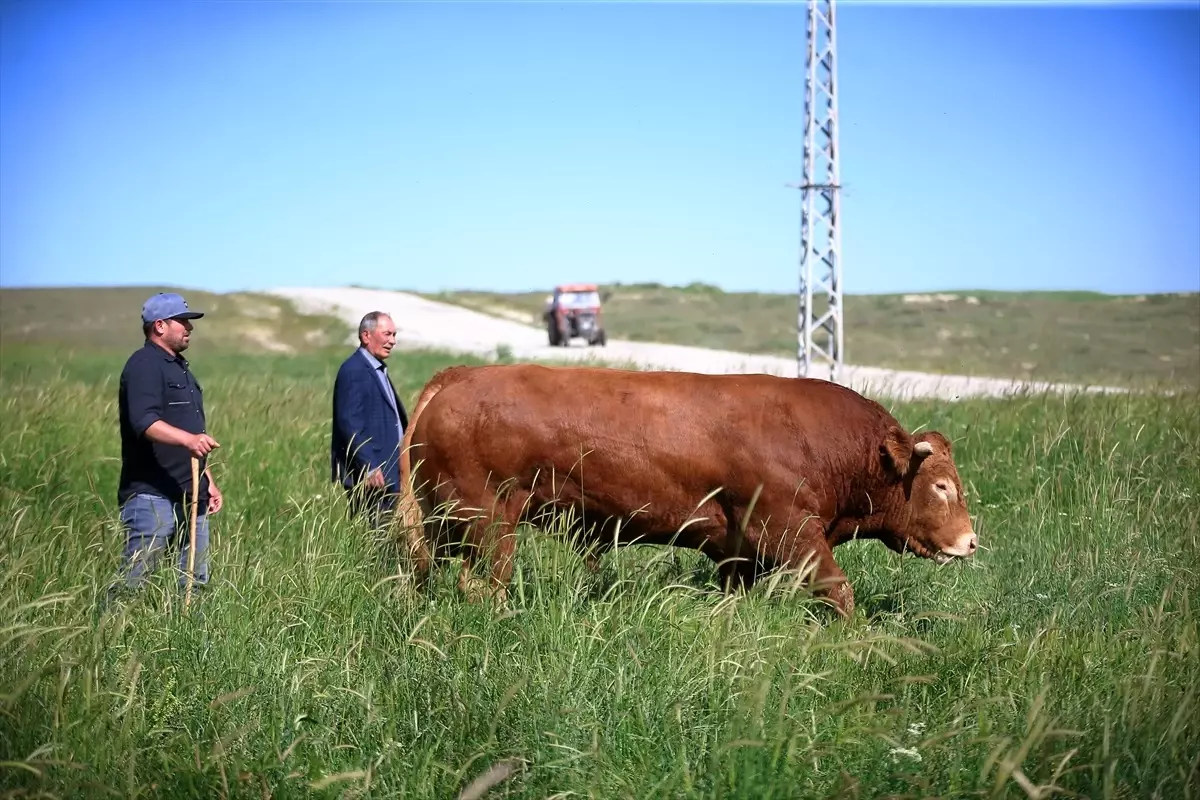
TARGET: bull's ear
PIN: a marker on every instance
(896, 451)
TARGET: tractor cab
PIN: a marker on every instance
(573, 312)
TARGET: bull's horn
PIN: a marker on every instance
(923, 449)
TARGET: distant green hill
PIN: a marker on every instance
(109, 318)
(1078, 336)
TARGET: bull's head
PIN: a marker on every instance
(932, 520)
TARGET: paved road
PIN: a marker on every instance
(422, 323)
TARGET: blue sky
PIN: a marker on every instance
(508, 146)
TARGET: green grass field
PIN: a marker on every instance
(1061, 336)
(1063, 661)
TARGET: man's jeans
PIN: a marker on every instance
(151, 523)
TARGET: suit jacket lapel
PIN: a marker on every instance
(379, 385)
(391, 396)
(370, 369)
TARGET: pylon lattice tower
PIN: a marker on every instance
(820, 303)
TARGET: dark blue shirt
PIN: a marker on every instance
(156, 385)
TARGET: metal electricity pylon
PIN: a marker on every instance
(820, 305)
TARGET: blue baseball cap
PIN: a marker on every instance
(167, 305)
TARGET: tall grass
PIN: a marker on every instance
(1063, 661)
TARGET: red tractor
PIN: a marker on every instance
(573, 311)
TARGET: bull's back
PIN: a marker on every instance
(671, 435)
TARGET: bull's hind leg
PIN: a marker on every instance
(494, 531)
(508, 513)
(475, 534)
(416, 549)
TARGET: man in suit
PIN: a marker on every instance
(368, 423)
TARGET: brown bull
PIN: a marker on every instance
(755, 471)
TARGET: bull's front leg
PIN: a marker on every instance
(810, 550)
(829, 583)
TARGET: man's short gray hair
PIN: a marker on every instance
(368, 322)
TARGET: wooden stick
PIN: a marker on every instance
(187, 599)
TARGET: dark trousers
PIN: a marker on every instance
(377, 506)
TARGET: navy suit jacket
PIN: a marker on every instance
(364, 425)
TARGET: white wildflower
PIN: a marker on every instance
(916, 728)
(911, 752)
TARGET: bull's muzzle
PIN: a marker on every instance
(964, 546)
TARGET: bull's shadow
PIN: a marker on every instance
(663, 566)
(656, 563)
(586, 549)
(547, 558)
(696, 572)
(555, 550)
(652, 563)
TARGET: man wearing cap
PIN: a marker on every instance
(161, 407)
(368, 423)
